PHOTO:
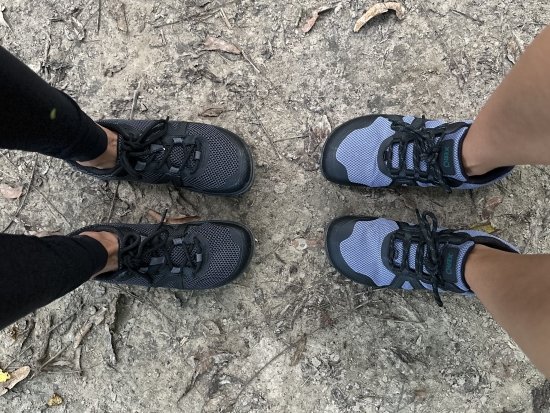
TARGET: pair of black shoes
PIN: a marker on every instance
(198, 157)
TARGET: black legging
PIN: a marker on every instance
(37, 117)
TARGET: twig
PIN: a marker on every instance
(265, 366)
(225, 19)
(266, 133)
(132, 111)
(94, 320)
(250, 61)
(461, 13)
(135, 99)
(99, 4)
(22, 204)
(146, 301)
(113, 201)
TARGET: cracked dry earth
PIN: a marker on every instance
(291, 335)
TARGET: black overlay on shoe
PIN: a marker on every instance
(428, 145)
(435, 259)
(145, 255)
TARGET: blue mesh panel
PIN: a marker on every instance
(358, 152)
(362, 250)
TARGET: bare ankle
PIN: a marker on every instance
(472, 156)
(111, 244)
(107, 159)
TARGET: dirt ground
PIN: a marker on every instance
(291, 335)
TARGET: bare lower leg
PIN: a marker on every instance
(110, 243)
(108, 158)
(516, 291)
(512, 128)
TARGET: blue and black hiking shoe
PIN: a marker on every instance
(199, 157)
(193, 256)
(389, 150)
(382, 253)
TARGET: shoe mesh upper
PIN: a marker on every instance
(223, 161)
(362, 252)
(358, 152)
(221, 258)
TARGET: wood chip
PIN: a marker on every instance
(488, 228)
(15, 377)
(212, 112)
(173, 220)
(310, 22)
(216, 44)
(10, 193)
(378, 9)
(55, 400)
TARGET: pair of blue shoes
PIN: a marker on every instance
(382, 151)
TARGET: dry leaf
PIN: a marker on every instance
(4, 376)
(488, 228)
(213, 43)
(55, 400)
(10, 193)
(490, 205)
(16, 376)
(377, 9)
(310, 22)
(3, 21)
(174, 220)
(211, 112)
(44, 233)
(299, 351)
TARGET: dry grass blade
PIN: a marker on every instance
(10, 193)
(174, 220)
(15, 377)
(378, 9)
(310, 22)
(215, 44)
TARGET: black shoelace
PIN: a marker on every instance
(135, 252)
(426, 148)
(430, 243)
(138, 147)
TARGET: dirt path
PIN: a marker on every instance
(291, 335)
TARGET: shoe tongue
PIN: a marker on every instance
(450, 155)
(453, 257)
(178, 255)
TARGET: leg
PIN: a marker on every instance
(45, 269)
(516, 290)
(37, 117)
(511, 129)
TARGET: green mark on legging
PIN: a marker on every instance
(53, 114)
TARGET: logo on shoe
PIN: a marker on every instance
(450, 259)
(449, 264)
(446, 157)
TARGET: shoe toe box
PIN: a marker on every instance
(228, 249)
(228, 167)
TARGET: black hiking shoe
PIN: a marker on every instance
(194, 256)
(195, 156)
